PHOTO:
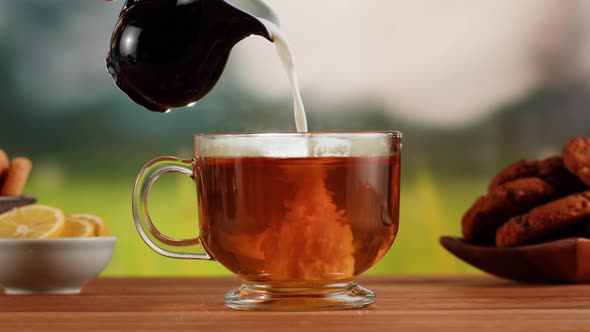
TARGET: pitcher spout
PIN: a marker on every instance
(168, 54)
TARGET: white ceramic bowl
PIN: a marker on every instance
(52, 266)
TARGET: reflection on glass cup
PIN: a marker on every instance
(296, 216)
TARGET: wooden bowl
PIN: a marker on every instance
(560, 261)
(10, 202)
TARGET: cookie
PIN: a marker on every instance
(548, 168)
(543, 221)
(480, 222)
(576, 156)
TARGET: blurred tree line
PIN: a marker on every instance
(112, 131)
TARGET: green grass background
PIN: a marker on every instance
(431, 206)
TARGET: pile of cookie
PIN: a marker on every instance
(532, 202)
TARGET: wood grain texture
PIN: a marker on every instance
(458, 303)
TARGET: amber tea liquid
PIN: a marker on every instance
(294, 221)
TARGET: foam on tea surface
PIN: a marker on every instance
(295, 146)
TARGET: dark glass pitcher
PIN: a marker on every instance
(167, 54)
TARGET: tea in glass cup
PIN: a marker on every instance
(298, 217)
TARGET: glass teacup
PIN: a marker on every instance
(298, 217)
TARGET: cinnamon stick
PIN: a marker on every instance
(16, 177)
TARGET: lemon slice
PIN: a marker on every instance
(100, 227)
(76, 227)
(33, 222)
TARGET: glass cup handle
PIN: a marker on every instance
(146, 228)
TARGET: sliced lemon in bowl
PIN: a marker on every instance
(76, 227)
(32, 222)
(100, 227)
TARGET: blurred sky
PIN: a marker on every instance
(63, 62)
(440, 62)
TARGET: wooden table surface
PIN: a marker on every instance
(448, 303)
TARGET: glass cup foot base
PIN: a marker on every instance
(327, 297)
